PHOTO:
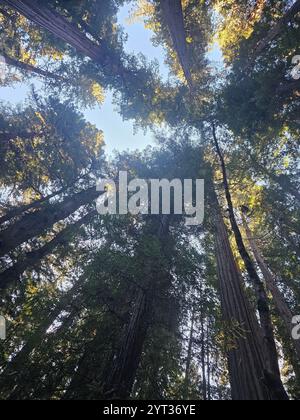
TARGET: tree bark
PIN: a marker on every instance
(38, 204)
(189, 357)
(208, 362)
(120, 382)
(34, 224)
(30, 68)
(173, 16)
(261, 294)
(12, 275)
(203, 359)
(250, 377)
(279, 300)
(121, 379)
(49, 19)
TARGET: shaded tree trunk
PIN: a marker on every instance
(261, 294)
(18, 211)
(120, 382)
(189, 357)
(208, 363)
(203, 359)
(42, 15)
(249, 375)
(279, 300)
(78, 387)
(49, 19)
(34, 224)
(11, 276)
(30, 68)
(173, 16)
(91, 368)
(122, 376)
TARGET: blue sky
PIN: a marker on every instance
(119, 134)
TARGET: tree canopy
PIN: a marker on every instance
(142, 306)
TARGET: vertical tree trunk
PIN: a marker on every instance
(203, 359)
(279, 300)
(173, 16)
(261, 294)
(208, 363)
(120, 382)
(249, 375)
(189, 357)
(121, 379)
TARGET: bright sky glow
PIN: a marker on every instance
(119, 134)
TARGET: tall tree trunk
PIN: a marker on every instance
(120, 382)
(208, 362)
(189, 357)
(12, 275)
(121, 379)
(47, 18)
(91, 368)
(42, 15)
(261, 294)
(19, 390)
(34, 224)
(279, 300)
(173, 16)
(203, 359)
(78, 387)
(30, 68)
(37, 204)
(250, 377)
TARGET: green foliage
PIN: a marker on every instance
(77, 301)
